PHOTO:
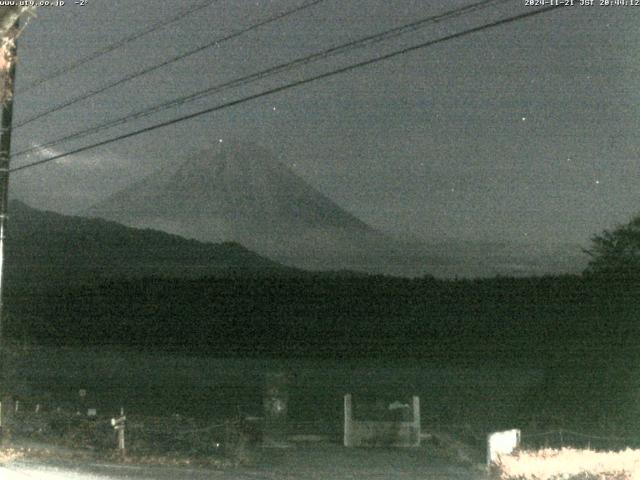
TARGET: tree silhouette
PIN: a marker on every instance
(616, 253)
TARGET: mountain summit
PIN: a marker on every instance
(241, 192)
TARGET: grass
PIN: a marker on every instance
(569, 464)
(170, 441)
(458, 449)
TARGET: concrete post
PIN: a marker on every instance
(348, 420)
(416, 419)
(276, 408)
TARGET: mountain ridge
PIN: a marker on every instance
(43, 246)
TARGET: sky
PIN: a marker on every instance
(524, 133)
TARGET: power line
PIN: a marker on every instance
(288, 86)
(362, 42)
(152, 68)
(114, 46)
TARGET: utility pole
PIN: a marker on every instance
(8, 75)
(9, 32)
(8, 80)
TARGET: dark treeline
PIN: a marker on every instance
(500, 318)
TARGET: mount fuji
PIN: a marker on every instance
(240, 192)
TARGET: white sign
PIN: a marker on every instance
(501, 443)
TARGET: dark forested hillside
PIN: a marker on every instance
(46, 249)
(500, 318)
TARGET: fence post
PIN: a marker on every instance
(118, 425)
(121, 445)
(416, 419)
(348, 420)
(276, 406)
